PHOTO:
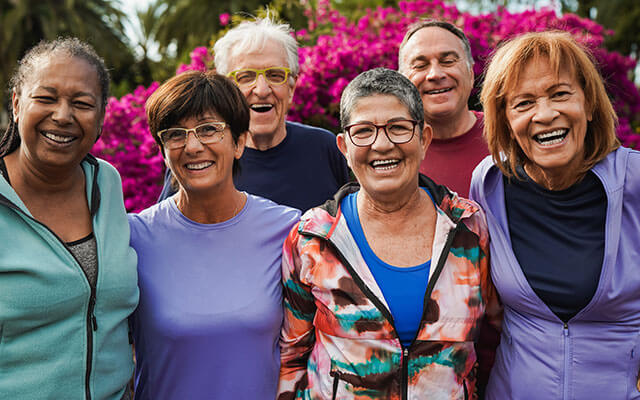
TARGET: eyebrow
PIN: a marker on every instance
(77, 94)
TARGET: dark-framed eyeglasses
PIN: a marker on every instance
(365, 133)
(207, 133)
(248, 77)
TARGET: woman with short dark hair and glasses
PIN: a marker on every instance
(208, 257)
(386, 285)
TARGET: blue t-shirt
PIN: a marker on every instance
(210, 310)
(403, 288)
(303, 171)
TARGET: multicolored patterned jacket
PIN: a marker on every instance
(338, 340)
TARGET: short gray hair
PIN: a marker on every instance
(381, 81)
(431, 23)
(254, 35)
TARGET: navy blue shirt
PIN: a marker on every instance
(303, 171)
(558, 239)
(403, 288)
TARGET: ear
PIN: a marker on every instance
(425, 138)
(15, 105)
(293, 88)
(242, 141)
(341, 142)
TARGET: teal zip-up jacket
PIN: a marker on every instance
(58, 338)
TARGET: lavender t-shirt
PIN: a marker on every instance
(210, 307)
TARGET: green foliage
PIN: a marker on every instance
(186, 24)
(23, 23)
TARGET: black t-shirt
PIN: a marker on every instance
(303, 171)
(558, 239)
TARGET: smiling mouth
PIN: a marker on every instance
(58, 138)
(384, 165)
(199, 166)
(261, 108)
(551, 138)
(438, 91)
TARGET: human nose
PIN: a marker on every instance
(262, 87)
(381, 141)
(544, 111)
(435, 72)
(192, 142)
(62, 113)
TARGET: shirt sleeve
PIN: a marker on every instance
(297, 337)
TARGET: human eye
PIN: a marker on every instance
(362, 130)
(419, 66)
(399, 127)
(245, 76)
(276, 75)
(522, 104)
(84, 105)
(209, 129)
(43, 98)
(449, 60)
(561, 95)
(173, 135)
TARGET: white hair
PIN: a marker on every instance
(254, 35)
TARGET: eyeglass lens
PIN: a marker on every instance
(276, 76)
(205, 133)
(365, 134)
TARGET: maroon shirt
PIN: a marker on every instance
(450, 162)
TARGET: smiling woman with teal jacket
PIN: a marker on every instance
(67, 274)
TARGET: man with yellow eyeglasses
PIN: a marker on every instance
(289, 163)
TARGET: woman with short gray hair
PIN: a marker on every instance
(385, 285)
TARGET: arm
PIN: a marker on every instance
(297, 337)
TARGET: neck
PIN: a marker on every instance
(447, 128)
(24, 176)
(396, 207)
(210, 208)
(266, 141)
(558, 179)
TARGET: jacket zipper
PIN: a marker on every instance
(92, 323)
(383, 309)
(565, 332)
(336, 380)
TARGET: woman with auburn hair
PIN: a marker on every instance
(562, 202)
(208, 257)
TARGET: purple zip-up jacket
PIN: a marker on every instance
(596, 355)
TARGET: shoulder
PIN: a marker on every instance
(107, 172)
(147, 218)
(619, 168)
(308, 132)
(272, 212)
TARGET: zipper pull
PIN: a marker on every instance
(566, 329)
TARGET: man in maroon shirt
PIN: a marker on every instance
(436, 57)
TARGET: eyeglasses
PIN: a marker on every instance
(176, 138)
(365, 133)
(248, 77)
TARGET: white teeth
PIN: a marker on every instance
(385, 164)
(438, 91)
(551, 138)
(199, 166)
(58, 138)
(261, 107)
